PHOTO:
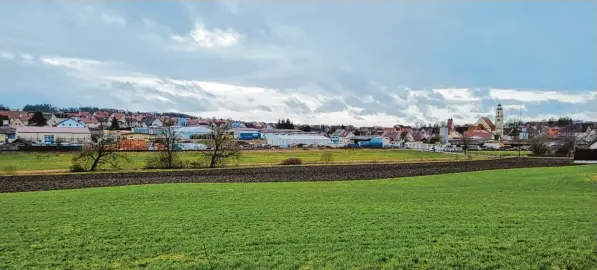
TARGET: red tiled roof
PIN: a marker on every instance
(483, 134)
(91, 120)
(392, 135)
(11, 114)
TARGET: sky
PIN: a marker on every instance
(315, 62)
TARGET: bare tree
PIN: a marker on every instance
(102, 151)
(223, 146)
(403, 137)
(168, 156)
(465, 141)
(513, 127)
(568, 141)
(539, 145)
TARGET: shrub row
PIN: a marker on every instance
(266, 174)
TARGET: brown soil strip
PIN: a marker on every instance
(265, 174)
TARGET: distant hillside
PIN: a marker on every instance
(53, 109)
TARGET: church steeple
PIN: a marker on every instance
(499, 121)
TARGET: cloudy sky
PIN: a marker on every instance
(353, 62)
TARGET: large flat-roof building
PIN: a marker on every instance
(52, 135)
(287, 140)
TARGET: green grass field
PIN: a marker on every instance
(542, 218)
(62, 161)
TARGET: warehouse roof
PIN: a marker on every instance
(302, 137)
(194, 129)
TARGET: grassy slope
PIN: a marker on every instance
(523, 218)
(61, 161)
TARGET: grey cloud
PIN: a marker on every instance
(264, 108)
(296, 105)
(332, 105)
(141, 95)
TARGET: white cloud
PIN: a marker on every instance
(541, 96)
(201, 37)
(7, 55)
(71, 63)
(311, 105)
(455, 94)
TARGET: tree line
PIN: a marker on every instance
(48, 108)
(103, 151)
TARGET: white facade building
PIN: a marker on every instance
(286, 140)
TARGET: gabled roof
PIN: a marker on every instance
(65, 120)
(481, 134)
(393, 135)
(149, 120)
(118, 116)
(418, 136)
(131, 120)
(91, 120)
(11, 114)
(338, 133)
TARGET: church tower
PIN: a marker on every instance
(499, 121)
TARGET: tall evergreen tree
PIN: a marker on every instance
(114, 124)
(37, 120)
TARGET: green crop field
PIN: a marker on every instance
(62, 161)
(541, 218)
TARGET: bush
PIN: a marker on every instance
(539, 147)
(327, 157)
(10, 170)
(292, 161)
(77, 168)
(160, 161)
(566, 148)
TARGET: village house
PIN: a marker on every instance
(400, 128)
(152, 122)
(102, 114)
(91, 122)
(7, 134)
(132, 122)
(17, 122)
(52, 135)
(341, 137)
(70, 123)
(103, 121)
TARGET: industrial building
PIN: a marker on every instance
(190, 132)
(247, 134)
(287, 140)
(51, 135)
